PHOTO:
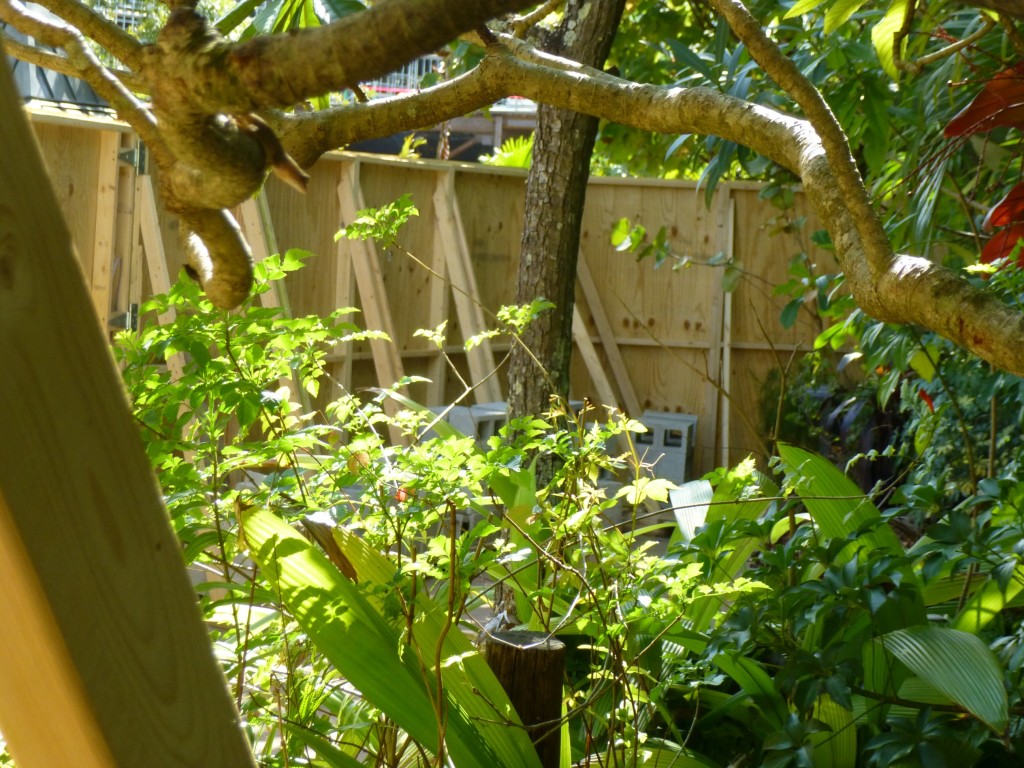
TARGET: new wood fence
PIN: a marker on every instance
(661, 340)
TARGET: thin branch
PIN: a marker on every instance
(86, 66)
(785, 72)
(56, 62)
(121, 45)
(522, 24)
(915, 66)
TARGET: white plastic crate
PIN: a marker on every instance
(667, 442)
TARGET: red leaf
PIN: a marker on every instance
(927, 399)
(1002, 244)
(1001, 102)
(1009, 210)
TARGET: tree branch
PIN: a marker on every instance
(84, 64)
(785, 72)
(910, 290)
(115, 40)
(55, 62)
(278, 71)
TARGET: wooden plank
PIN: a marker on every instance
(106, 661)
(106, 220)
(437, 366)
(486, 387)
(726, 336)
(629, 400)
(605, 393)
(373, 296)
(711, 439)
(156, 260)
(252, 229)
(341, 382)
(121, 295)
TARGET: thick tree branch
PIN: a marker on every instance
(910, 290)
(212, 75)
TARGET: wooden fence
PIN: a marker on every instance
(649, 339)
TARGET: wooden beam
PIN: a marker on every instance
(258, 228)
(708, 437)
(105, 218)
(480, 359)
(630, 403)
(156, 259)
(440, 307)
(124, 230)
(726, 375)
(372, 294)
(605, 393)
(106, 660)
(341, 381)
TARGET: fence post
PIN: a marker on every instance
(530, 666)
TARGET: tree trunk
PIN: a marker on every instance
(555, 192)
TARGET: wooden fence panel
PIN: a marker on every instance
(680, 337)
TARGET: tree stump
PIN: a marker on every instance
(530, 667)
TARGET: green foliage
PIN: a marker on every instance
(380, 224)
(516, 152)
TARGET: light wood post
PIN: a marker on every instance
(106, 661)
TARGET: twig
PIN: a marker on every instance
(88, 67)
(118, 43)
(522, 24)
(914, 67)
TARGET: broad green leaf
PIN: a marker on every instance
(883, 36)
(469, 681)
(801, 7)
(958, 664)
(922, 363)
(987, 603)
(838, 506)
(836, 748)
(757, 684)
(376, 658)
(839, 13)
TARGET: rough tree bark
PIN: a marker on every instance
(555, 192)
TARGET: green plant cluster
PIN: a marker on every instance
(344, 578)
(346, 547)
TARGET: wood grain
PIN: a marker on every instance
(106, 614)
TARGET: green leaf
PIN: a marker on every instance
(883, 36)
(835, 748)
(787, 319)
(988, 602)
(840, 13)
(342, 8)
(620, 232)
(801, 7)
(376, 657)
(958, 664)
(757, 684)
(326, 751)
(839, 508)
